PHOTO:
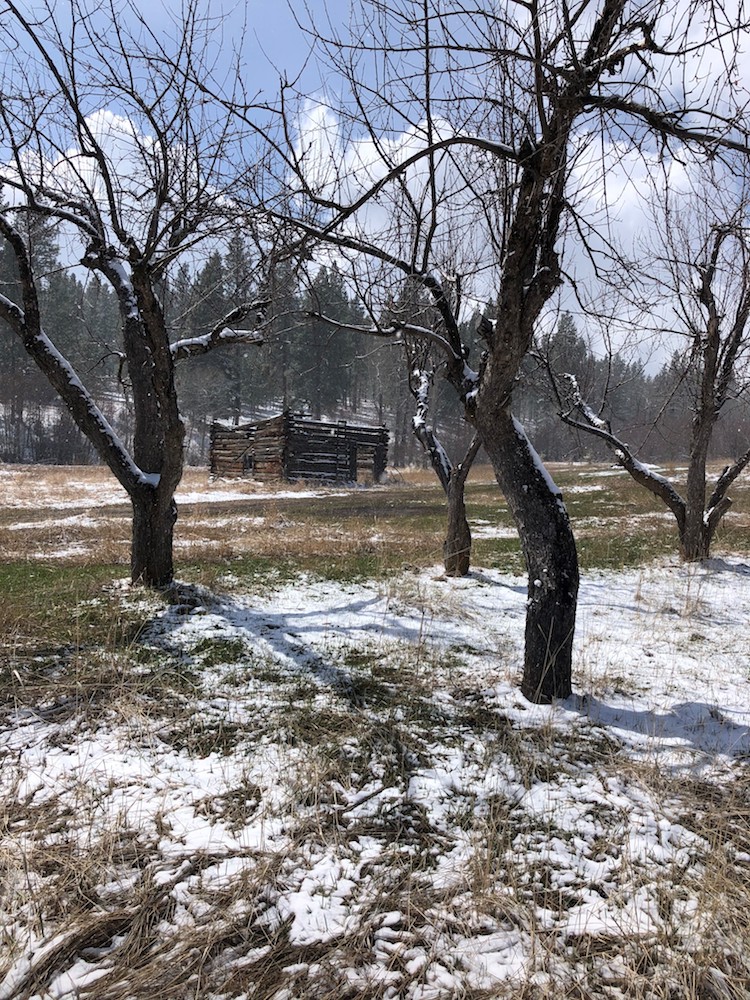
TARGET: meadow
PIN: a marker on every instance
(307, 771)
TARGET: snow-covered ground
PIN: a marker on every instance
(336, 790)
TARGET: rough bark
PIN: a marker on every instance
(457, 545)
(549, 552)
(694, 539)
(154, 517)
(158, 433)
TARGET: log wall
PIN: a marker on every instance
(298, 448)
(232, 449)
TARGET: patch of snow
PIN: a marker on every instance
(374, 727)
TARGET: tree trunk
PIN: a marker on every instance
(695, 539)
(457, 545)
(549, 551)
(154, 517)
(159, 434)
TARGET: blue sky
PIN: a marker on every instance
(271, 42)
(266, 32)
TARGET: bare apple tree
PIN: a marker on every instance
(106, 134)
(698, 278)
(423, 369)
(452, 124)
(423, 359)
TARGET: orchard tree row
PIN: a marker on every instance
(526, 154)
(309, 366)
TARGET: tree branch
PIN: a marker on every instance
(591, 424)
(223, 334)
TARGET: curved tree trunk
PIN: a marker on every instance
(549, 551)
(457, 545)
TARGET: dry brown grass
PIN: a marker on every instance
(78, 516)
(108, 896)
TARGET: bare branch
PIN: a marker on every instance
(223, 334)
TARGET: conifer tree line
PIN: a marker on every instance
(308, 366)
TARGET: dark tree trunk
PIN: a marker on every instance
(695, 540)
(549, 551)
(158, 438)
(457, 545)
(154, 517)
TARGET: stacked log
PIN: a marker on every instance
(320, 451)
(231, 449)
(270, 448)
(299, 448)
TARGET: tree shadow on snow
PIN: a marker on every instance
(684, 726)
(285, 635)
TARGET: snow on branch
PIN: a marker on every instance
(77, 398)
(422, 380)
(224, 333)
(592, 424)
(719, 503)
(420, 383)
(393, 329)
(538, 463)
(579, 403)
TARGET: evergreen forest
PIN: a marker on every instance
(322, 369)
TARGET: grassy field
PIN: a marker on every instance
(307, 772)
(72, 517)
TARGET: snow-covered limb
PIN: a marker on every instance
(539, 464)
(191, 346)
(645, 470)
(223, 333)
(600, 428)
(579, 402)
(78, 399)
(652, 481)
(728, 475)
(420, 382)
(113, 269)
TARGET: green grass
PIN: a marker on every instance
(49, 606)
(360, 535)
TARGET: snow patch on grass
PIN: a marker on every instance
(337, 790)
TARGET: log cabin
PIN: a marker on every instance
(293, 447)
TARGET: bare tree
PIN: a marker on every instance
(700, 275)
(422, 368)
(452, 476)
(463, 125)
(107, 134)
(414, 319)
